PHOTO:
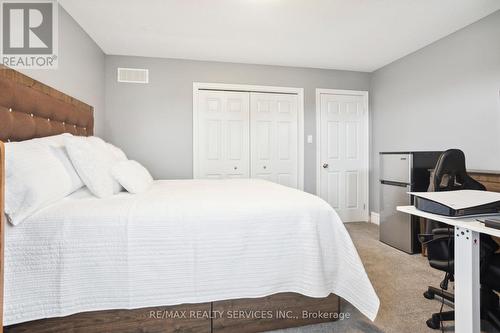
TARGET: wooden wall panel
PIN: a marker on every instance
(489, 179)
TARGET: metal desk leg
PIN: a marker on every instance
(467, 287)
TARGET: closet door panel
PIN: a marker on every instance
(223, 135)
(274, 138)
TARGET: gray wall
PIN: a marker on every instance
(81, 68)
(153, 122)
(445, 95)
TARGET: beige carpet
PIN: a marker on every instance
(399, 280)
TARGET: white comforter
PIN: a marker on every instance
(183, 241)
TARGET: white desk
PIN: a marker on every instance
(467, 230)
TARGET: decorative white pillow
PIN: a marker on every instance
(93, 160)
(132, 175)
(118, 154)
(38, 173)
(54, 140)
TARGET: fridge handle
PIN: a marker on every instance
(388, 182)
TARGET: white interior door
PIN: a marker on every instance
(223, 134)
(274, 137)
(343, 153)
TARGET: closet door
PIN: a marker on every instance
(223, 135)
(274, 138)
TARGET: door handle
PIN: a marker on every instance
(325, 165)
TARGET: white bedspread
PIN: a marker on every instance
(183, 241)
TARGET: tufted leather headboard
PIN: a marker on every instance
(30, 109)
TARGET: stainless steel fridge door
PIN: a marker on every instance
(396, 167)
(395, 227)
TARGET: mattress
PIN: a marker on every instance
(182, 241)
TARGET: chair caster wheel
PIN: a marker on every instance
(431, 323)
(429, 295)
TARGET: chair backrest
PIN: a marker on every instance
(450, 173)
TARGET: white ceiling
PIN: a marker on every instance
(361, 35)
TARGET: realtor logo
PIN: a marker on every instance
(29, 34)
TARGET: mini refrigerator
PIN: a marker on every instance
(400, 173)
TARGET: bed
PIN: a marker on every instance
(184, 256)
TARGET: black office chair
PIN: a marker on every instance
(440, 253)
(450, 174)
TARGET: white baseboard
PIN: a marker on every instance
(375, 218)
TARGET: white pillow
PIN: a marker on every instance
(117, 155)
(54, 140)
(93, 160)
(132, 175)
(38, 173)
(116, 152)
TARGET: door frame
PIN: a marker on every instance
(365, 95)
(197, 86)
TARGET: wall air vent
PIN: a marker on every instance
(133, 75)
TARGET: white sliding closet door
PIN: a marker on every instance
(274, 137)
(223, 134)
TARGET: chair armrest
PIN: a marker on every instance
(443, 231)
(436, 233)
(424, 238)
(440, 248)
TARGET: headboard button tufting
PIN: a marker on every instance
(46, 106)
